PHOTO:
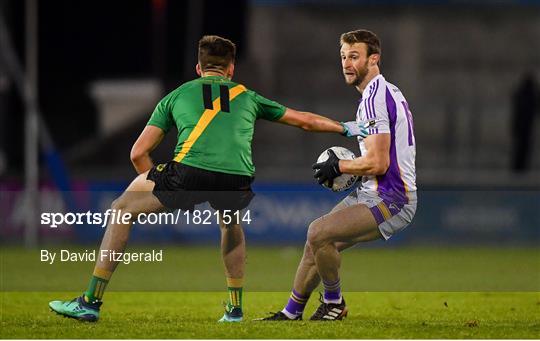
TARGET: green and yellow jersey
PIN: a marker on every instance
(215, 118)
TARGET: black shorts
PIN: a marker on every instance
(179, 186)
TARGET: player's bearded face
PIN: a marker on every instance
(354, 61)
(355, 76)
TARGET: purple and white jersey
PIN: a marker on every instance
(384, 103)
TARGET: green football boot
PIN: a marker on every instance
(77, 308)
(232, 314)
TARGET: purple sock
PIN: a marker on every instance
(296, 304)
(332, 291)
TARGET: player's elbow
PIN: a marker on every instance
(300, 119)
(137, 154)
(379, 170)
(306, 124)
(380, 167)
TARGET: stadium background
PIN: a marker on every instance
(99, 67)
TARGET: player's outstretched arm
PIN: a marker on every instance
(375, 162)
(312, 122)
(149, 139)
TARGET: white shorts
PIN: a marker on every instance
(391, 217)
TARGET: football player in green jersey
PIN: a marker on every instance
(215, 119)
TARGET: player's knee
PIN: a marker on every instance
(315, 235)
(118, 204)
(121, 205)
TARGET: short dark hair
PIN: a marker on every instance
(362, 36)
(216, 53)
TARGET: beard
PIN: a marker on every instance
(359, 77)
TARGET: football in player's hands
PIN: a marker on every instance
(341, 182)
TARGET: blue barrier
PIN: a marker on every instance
(281, 214)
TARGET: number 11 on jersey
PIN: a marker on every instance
(223, 97)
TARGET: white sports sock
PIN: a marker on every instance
(338, 301)
(288, 314)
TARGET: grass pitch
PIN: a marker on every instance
(194, 315)
(391, 293)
